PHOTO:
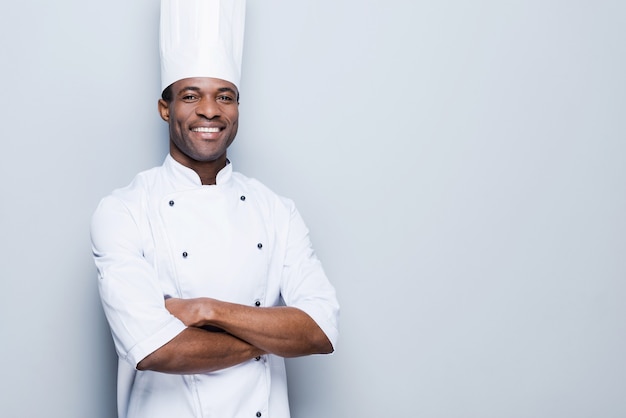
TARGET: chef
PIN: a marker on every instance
(207, 278)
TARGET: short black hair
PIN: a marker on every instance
(167, 94)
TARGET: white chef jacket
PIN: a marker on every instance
(168, 235)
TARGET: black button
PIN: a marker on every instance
(242, 198)
(259, 245)
(257, 303)
(171, 203)
(185, 254)
(258, 414)
(257, 358)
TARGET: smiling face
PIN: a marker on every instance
(203, 116)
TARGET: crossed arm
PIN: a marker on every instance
(249, 332)
(132, 299)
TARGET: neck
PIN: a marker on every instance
(206, 170)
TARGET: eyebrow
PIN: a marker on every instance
(198, 89)
(227, 89)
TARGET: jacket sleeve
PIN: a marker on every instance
(131, 295)
(304, 282)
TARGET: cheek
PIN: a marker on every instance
(235, 120)
(178, 123)
(177, 133)
(234, 130)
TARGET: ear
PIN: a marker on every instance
(164, 110)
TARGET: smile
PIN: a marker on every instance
(205, 129)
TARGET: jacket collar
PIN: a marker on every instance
(185, 176)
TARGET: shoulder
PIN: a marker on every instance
(130, 198)
(142, 184)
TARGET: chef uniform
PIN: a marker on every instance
(166, 235)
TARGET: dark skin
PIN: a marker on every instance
(203, 116)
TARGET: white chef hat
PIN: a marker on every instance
(201, 38)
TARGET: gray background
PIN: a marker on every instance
(461, 164)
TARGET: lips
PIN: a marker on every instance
(206, 129)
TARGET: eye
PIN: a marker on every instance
(189, 97)
(224, 98)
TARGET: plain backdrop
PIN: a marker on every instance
(461, 165)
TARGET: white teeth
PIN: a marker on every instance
(204, 129)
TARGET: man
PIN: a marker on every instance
(207, 278)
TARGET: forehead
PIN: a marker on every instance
(203, 84)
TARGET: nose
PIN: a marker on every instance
(208, 108)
